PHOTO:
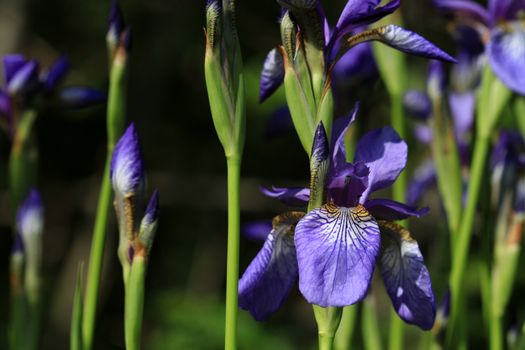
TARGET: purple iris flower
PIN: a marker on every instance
(502, 31)
(333, 250)
(26, 85)
(346, 34)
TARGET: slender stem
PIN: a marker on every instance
(232, 263)
(462, 242)
(371, 335)
(396, 331)
(134, 303)
(344, 335)
(96, 258)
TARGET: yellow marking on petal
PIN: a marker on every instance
(392, 227)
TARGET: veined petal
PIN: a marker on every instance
(403, 40)
(385, 154)
(356, 8)
(256, 230)
(462, 106)
(126, 171)
(505, 9)
(270, 276)
(272, 74)
(506, 52)
(387, 209)
(465, 8)
(406, 277)
(292, 196)
(337, 249)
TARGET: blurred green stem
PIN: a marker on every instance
(344, 335)
(134, 303)
(232, 263)
(371, 335)
(115, 126)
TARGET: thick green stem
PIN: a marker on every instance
(462, 242)
(496, 333)
(396, 331)
(232, 263)
(345, 332)
(371, 335)
(96, 258)
(134, 303)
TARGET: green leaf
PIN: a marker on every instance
(76, 315)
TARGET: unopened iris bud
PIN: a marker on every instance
(116, 26)
(288, 35)
(318, 165)
(126, 171)
(148, 226)
(30, 226)
(213, 23)
(24, 79)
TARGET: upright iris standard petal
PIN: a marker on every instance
(272, 74)
(347, 184)
(406, 277)
(506, 53)
(270, 276)
(80, 97)
(337, 249)
(340, 128)
(292, 196)
(387, 209)
(127, 173)
(56, 73)
(385, 154)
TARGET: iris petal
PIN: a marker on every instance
(465, 8)
(506, 52)
(337, 249)
(387, 209)
(385, 154)
(462, 106)
(272, 74)
(340, 128)
(292, 196)
(256, 230)
(406, 277)
(270, 276)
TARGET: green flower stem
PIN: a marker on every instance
(134, 303)
(17, 302)
(344, 335)
(371, 335)
(115, 127)
(22, 161)
(232, 262)
(462, 241)
(75, 340)
(328, 320)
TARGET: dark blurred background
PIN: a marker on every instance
(184, 160)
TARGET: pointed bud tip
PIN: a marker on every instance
(320, 147)
(152, 210)
(126, 168)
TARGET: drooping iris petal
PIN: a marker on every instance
(385, 154)
(270, 276)
(126, 171)
(256, 230)
(417, 104)
(12, 63)
(80, 97)
(406, 277)
(56, 73)
(387, 209)
(337, 249)
(409, 42)
(292, 196)
(462, 106)
(506, 53)
(24, 79)
(423, 178)
(272, 74)
(465, 8)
